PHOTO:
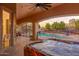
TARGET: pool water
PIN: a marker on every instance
(51, 35)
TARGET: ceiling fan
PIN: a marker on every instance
(44, 6)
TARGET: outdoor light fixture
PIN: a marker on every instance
(43, 5)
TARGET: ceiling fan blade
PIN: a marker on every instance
(41, 8)
(45, 7)
(48, 5)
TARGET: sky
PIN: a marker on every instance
(58, 19)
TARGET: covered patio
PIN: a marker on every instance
(27, 15)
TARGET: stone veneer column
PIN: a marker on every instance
(35, 30)
(0, 27)
(12, 30)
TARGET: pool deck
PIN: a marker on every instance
(74, 38)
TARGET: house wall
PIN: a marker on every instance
(7, 29)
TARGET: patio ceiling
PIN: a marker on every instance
(11, 6)
(56, 11)
(26, 9)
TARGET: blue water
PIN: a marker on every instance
(51, 35)
(52, 47)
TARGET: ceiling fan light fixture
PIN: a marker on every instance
(43, 5)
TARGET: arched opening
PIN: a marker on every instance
(66, 25)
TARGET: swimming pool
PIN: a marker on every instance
(51, 35)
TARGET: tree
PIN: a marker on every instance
(77, 24)
(52, 26)
(55, 25)
(58, 26)
(62, 25)
(48, 26)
